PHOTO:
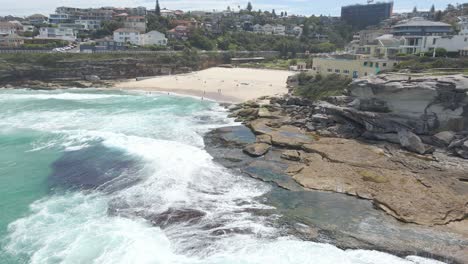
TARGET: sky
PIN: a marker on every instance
(301, 7)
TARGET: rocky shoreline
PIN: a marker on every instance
(397, 144)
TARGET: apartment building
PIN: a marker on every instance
(62, 33)
(127, 35)
(362, 16)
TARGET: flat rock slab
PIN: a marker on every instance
(347, 166)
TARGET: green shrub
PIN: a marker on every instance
(319, 87)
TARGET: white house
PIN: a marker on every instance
(257, 28)
(127, 35)
(64, 33)
(279, 30)
(153, 38)
(297, 30)
(268, 29)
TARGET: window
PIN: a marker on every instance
(376, 64)
(346, 71)
(337, 71)
(329, 70)
(314, 68)
(384, 64)
(365, 74)
(394, 64)
(371, 64)
(365, 63)
(434, 41)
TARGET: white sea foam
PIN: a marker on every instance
(58, 96)
(76, 227)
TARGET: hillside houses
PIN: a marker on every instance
(135, 37)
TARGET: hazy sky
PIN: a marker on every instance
(303, 7)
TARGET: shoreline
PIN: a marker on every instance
(224, 85)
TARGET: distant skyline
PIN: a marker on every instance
(301, 7)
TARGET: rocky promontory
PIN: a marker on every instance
(397, 142)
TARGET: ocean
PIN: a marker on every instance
(93, 176)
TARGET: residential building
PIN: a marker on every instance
(59, 19)
(353, 68)
(297, 31)
(464, 52)
(11, 41)
(168, 13)
(104, 13)
(368, 37)
(7, 28)
(105, 44)
(416, 34)
(153, 38)
(88, 24)
(192, 23)
(257, 28)
(362, 16)
(279, 30)
(463, 25)
(267, 29)
(37, 19)
(420, 27)
(179, 32)
(127, 35)
(136, 23)
(62, 33)
(28, 28)
(18, 25)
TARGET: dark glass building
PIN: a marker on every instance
(361, 16)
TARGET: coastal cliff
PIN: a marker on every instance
(83, 70)
(395, 141)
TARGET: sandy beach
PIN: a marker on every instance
(220, 84)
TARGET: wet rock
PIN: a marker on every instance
(175, 216)
(257, 149)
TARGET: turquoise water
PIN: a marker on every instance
(90, 176)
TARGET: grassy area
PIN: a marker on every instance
(319, 87)
(425, 64)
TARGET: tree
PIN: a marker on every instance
(249, 7)
(432, 9)
(438, 16)
(157, 10)
(440, 52)
(158, 23)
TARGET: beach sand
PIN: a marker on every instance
(221, 84)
